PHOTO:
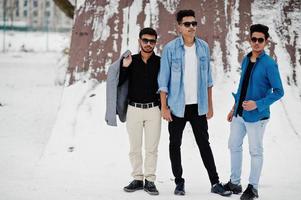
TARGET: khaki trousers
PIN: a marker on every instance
(149, 120)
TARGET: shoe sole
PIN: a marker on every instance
(180, 193)
(253, 197)
(128, 190)
(226, 195)
(223, 194)
(151, 193)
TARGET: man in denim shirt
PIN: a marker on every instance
(185, 86)
(260, 86)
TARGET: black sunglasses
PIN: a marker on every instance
(255, 39)
(146, 41)
(188, 24)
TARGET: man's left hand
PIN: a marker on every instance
(249, 105)
(210, 113)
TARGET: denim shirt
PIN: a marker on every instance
(264, 87)
(171, 75)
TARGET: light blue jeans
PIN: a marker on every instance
(255, 130)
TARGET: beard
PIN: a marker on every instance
(147, 49)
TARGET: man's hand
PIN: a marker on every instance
(127, 61)
(210, 113)
(210, 105)
(230, 116)
(249, 105)
(165, 112)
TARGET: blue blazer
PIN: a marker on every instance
(264, 87)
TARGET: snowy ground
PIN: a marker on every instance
(30, 101)
(39, 123)
(54, 143)
(33, 41)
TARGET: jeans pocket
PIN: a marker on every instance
(263, 123)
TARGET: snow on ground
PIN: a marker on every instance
(30, 101)
(33, 41)
(54, 143)
(97, 166)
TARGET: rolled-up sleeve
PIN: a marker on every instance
(164, 73)
(209, 75)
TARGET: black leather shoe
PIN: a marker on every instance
(180, 189)
(133, 186)
(150, 188)
(235, 188)
(218, 188)
(250, 193)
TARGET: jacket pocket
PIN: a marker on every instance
(176, 65)
(175, 71)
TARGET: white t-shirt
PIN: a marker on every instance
(190, 75)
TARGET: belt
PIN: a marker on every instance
(144, 105)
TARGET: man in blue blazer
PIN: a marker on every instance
(260, 86)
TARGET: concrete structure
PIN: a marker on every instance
(104, 29)
(33, 15)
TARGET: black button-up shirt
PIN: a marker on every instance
(244, 87)
(143, 84)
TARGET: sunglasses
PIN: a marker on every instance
(188, 24)
(146, 41)
(255, 39)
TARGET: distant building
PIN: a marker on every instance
(33, 15)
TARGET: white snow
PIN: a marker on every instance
(231, 43)
(101, 29)
(79, 3)
(170, 5)
(55, 144)
(34, 41)
(130, 30)
(30, 101)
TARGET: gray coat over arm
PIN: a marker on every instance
(116, 96)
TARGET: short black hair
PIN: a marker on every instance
(148, 31)
(260, 28)
(184, 13)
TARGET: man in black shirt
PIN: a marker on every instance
(143, 111)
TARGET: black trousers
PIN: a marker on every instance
(200, 130)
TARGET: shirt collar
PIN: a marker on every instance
(150, 58)
(182, 41)
(260, 55)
